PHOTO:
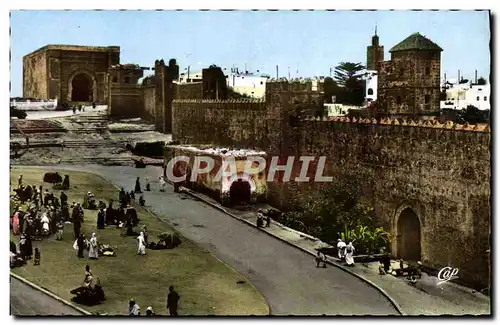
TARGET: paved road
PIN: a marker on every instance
(286, 276)
(26, 301)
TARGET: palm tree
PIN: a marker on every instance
(346, 71)
(347, 76)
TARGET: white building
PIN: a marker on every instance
(371, 89)
(247, 83)
(191, 77)
(459, 96)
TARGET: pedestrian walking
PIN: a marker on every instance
(349, 251)
(162, 184)
(320, 259)
(172, 301)
(341, 248)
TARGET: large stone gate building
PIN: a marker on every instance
(69, 73)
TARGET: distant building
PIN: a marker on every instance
(459, 96)
(190, 77)
(69, 73)
(247, 83)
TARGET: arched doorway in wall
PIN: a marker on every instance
(409, 244)
(82, 88)
(240, 192)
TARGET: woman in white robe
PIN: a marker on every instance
(349, 251)
(142, 244)
(45, 224)
(93, 249)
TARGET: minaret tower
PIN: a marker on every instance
(374, 53)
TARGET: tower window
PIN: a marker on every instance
(477, 98)
(427, 70)
(398, 100)
(370, 91)
(427, 99)
(485, 98)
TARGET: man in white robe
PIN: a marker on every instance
(341, 248)
(349, 252)
(93, 249)
(142, 244)
(162, 184)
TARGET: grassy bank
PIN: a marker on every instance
(206, 285)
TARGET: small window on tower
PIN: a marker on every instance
(485, 98)
(370, 91)
(427, 99)
(398, 100)
(427, 70)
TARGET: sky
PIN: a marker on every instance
(306, 43)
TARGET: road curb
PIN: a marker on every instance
(50, 294)
(382, 291)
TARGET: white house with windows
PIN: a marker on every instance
(190, 77)
(459, 96)
(247, 83)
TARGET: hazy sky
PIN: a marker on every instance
(310, 41)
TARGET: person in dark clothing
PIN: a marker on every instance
(121, 195)
(100, 219)
(77, 224)
(138, 185)
(268, 221)
(65, 212)
(65, 183)
(63, 198)
(132, 196)
(142, 201)
(29, 246)
(80, 242)
(172, 301)
(93, 105)
(74, 109)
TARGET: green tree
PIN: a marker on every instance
(335, 212)
(330, 88)
(346, 76)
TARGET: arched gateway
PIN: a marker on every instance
(408, 235)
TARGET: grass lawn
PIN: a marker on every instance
(206, 285)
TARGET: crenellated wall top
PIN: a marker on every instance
(482, 127)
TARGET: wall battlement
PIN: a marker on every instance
(220, 101)
(483, 127)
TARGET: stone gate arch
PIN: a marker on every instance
(82, 86)
(408, 229)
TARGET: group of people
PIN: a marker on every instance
(346, 252)
(172, 305)
(46, 215)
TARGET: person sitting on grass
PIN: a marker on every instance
(133, 308)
